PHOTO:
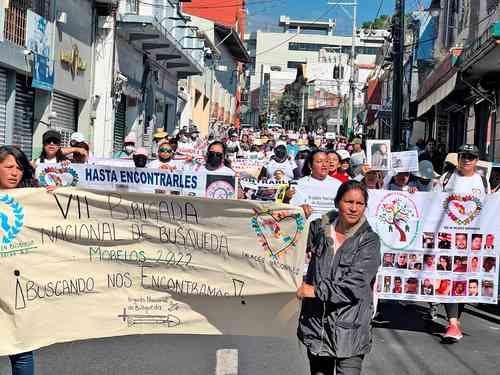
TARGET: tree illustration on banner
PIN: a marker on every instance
(396, 215)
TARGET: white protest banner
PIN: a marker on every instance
(145, 180)
(80, 264)
(437, 247)
(265, 190)
(250, 167)
(405, 161)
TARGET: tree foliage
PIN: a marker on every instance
(381, 22)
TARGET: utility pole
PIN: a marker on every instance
(397, 86)
(352, 80)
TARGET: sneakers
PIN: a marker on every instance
(453, 333)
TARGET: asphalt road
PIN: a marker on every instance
(405, 344)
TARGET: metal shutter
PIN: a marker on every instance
(3, 105)
(120, 124)
(67, 116)
(22, 135)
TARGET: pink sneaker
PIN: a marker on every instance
(453, 333)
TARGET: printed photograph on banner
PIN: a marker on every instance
(489, 243)
(489, 264)
(387, 284)
(388, 260)
(484, 168)
(411, 285)
(476, 241)
(428, 240)
(460, 263)
(397, 220)
(397, 287)
(402, 261)
(427, 287)
(474, 264)
(487, 288)
(444, 241)
(444, 263)
(415, 262)
(442, 287)
(459, 288)
(378, 154)
(461, 241)
(406, 161)
(429, 262)
(473, 288)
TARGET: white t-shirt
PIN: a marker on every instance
(319, 194)
(47, 161)
(222, 170)
(463, 185)
(287, 167)
(175, 165)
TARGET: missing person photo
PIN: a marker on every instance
(428, 240)
(489, 264)
(473, 288)
(427, 287)
(442, 287)
(476, 242)
(444, 241)
(402, 261)
(474, 264)
(415, 262)
(411, 285)
(460, 264)
(487, 288)
(461, 241)
(378, 154)
(459, 288)
(388, 260)
(429, 262)
(489, 242)
(444, 263)
(398, 285)
(387, 284)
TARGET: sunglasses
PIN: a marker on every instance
(164, 149)
(56, 142)
(216, 153)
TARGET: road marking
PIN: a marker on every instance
(227, 362)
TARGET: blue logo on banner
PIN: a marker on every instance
(14, 216)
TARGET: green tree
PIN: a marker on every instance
(381, 22)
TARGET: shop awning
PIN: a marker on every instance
(437, 96)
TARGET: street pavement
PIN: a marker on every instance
(404, 343)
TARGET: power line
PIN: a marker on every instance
(212, 6)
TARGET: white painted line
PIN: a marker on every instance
(227, 362)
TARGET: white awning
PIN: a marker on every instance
(437, 96)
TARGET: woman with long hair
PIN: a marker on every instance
(17, 172)
(52, 152)
(337, 292)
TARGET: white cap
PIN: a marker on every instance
(344, 154)
(77, 137)
(280, 143)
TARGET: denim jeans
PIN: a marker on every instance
(22, 364)
(335, 366)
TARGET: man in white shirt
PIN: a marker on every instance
(463, 180)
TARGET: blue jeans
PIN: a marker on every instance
(22, 364)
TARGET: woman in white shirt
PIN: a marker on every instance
(216, 160)
(52, 152)
(280, 161)
(316, 192)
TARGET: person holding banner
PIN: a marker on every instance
(463, 180)
(166, 159)
(280, 161)
(337, 293)
(216, 160)
(17, 172)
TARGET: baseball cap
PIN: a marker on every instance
(129, 139)
(77, 137)
(356, 141)
(51, 134)
(160, 133)
(344, 154)
(141, 151)
(469, 148)
(426, 170)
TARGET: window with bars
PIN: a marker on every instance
(15, 18)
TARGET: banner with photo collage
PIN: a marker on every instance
(437, 247)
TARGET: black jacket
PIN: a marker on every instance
(337, 322)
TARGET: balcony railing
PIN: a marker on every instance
(15, 18)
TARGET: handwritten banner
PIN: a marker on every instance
(144, 180)
(251, 167)
(437, 247)
(97, 264)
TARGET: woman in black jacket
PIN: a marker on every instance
(337, 292)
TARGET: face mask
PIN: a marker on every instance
(214, 159)
(129, 150)
(280, 153)
(140, 162)
(194, 137)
